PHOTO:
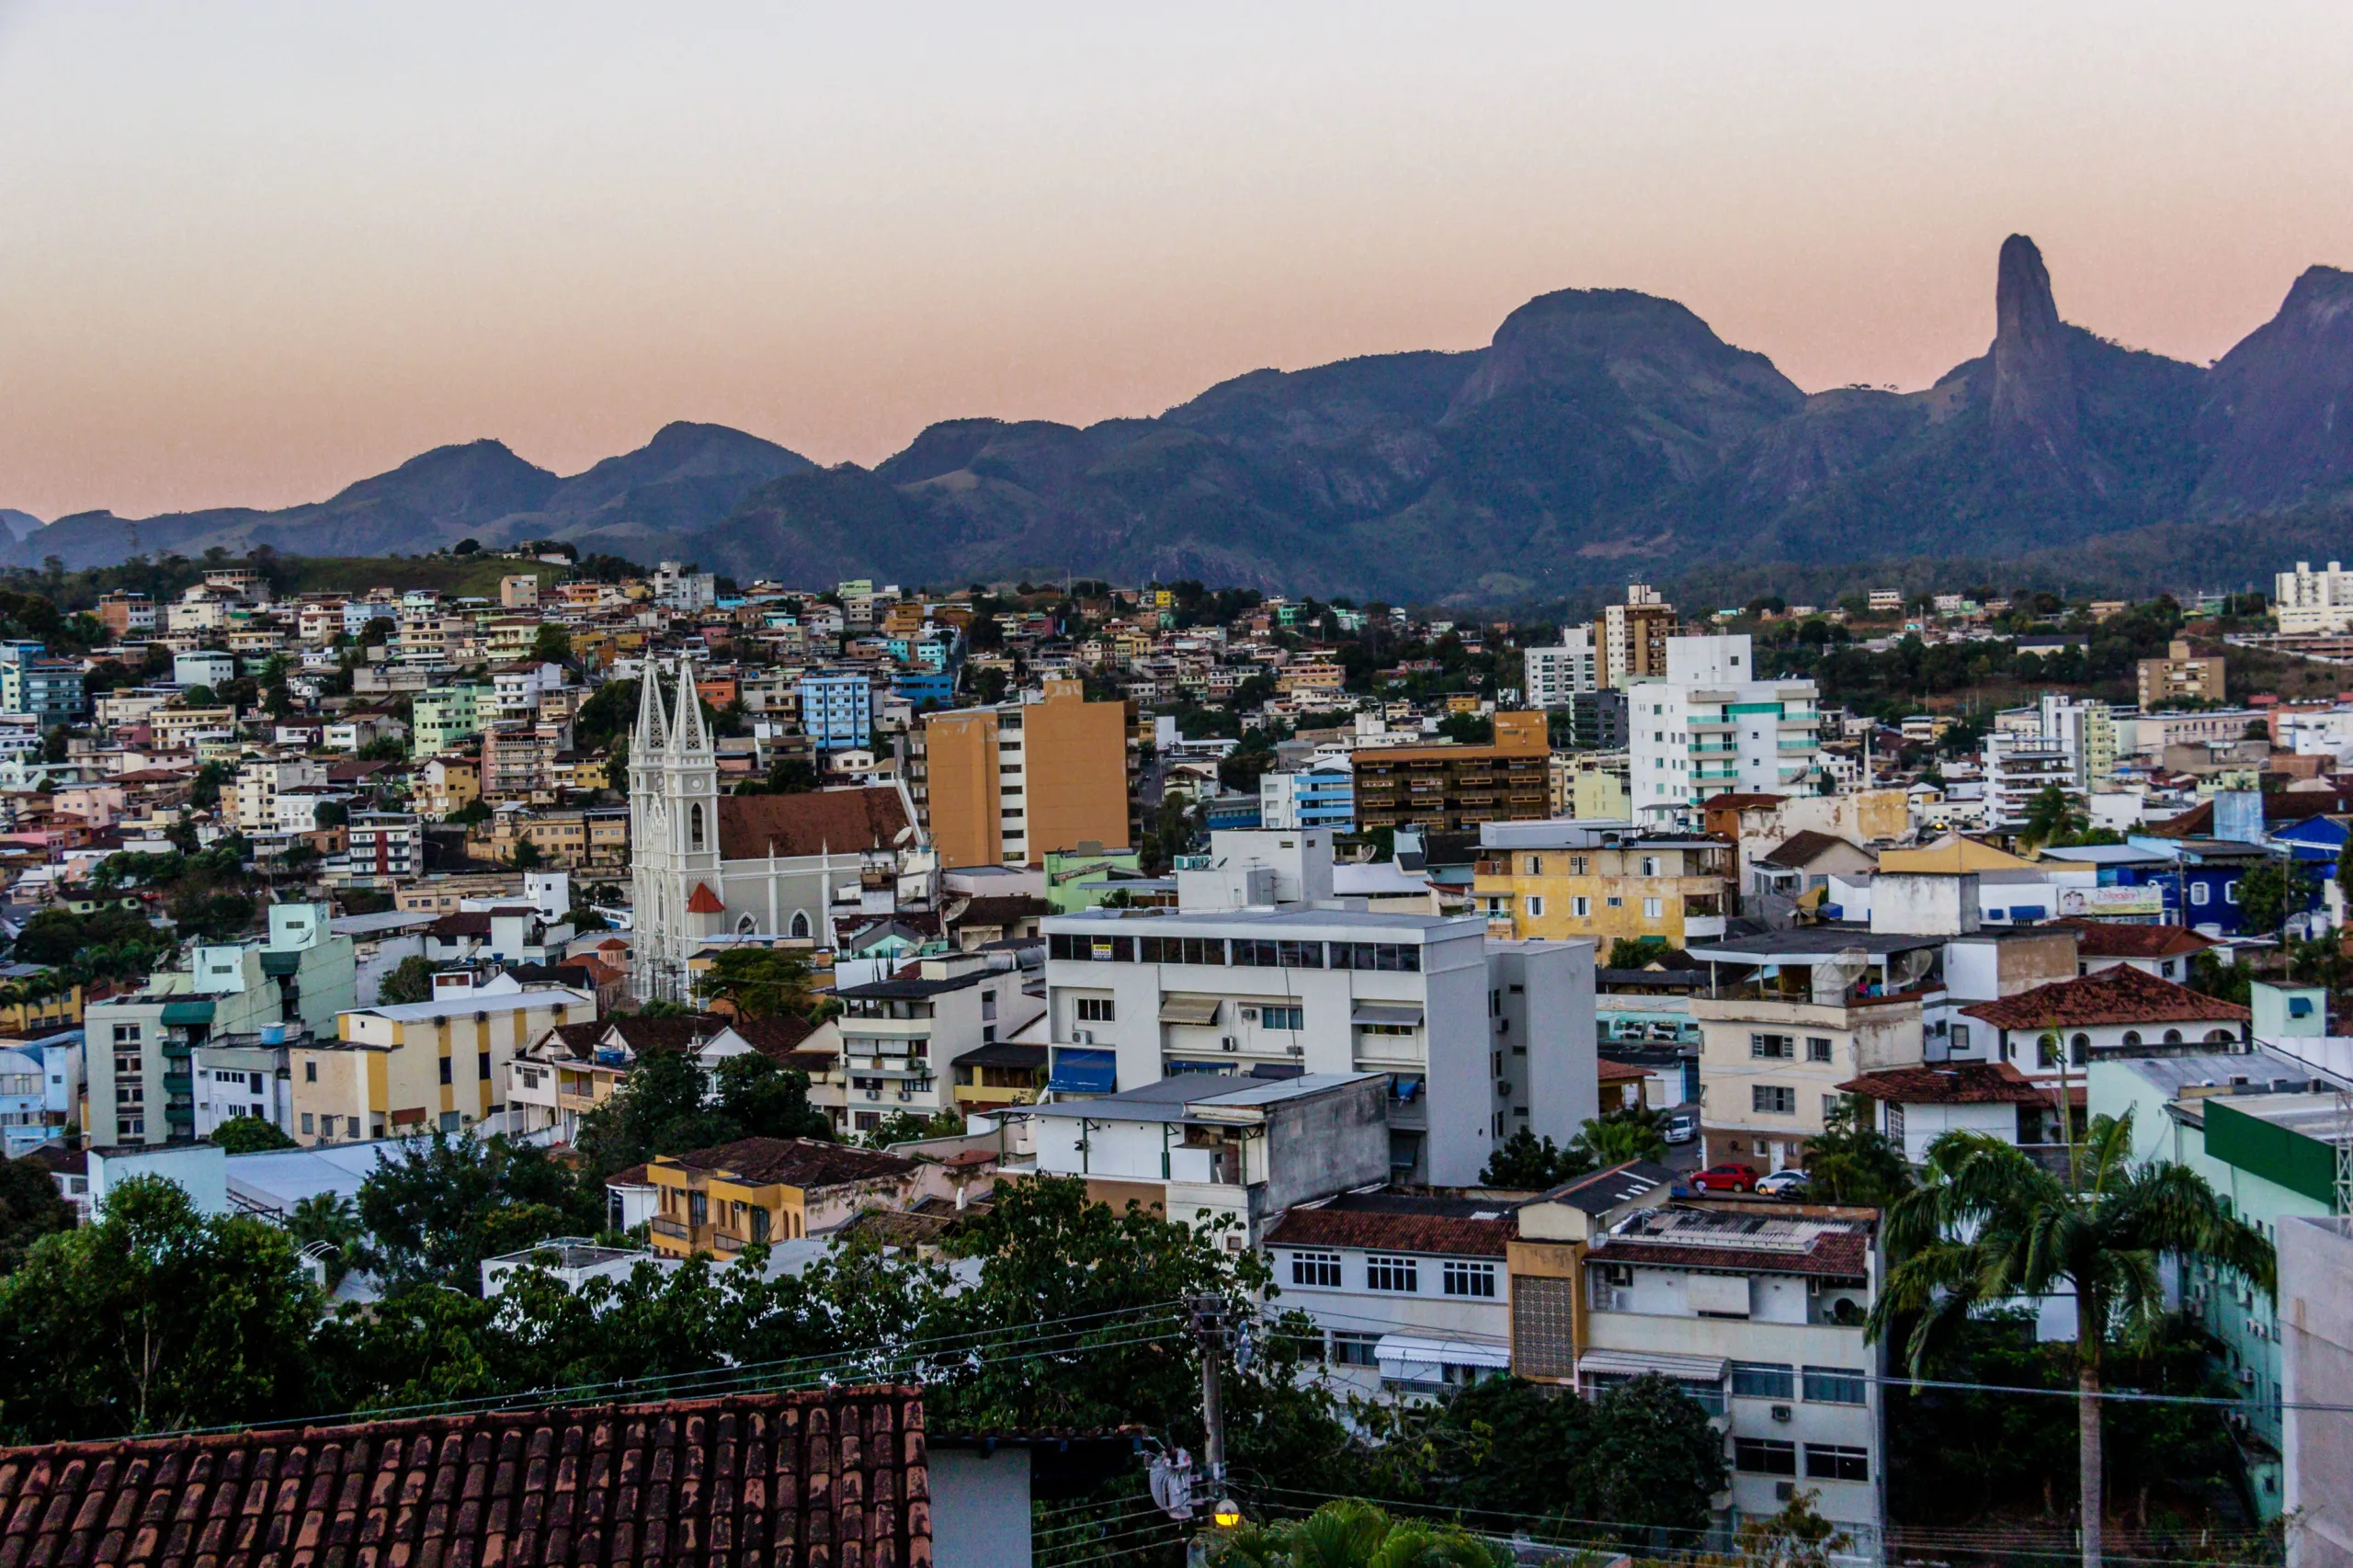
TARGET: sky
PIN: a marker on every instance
(253, 250)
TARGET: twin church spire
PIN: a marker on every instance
(680, 731)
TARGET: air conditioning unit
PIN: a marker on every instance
(1249, 1014)
(873, 1094)
(1227, 1042)
(1780, 1413)
(1084, 1037)
(905, 1094)
(1296, 1049)
(1783, 1491)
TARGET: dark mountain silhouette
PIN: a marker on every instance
(1601, 433)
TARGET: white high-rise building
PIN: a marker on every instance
(1555, 675)
(1710, 727)
(2307, 601)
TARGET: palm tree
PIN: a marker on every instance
(1352, 1534)
(1988, 1225)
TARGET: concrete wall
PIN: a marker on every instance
(980, 1509)
(2316, 1345)
(1326, 1144)
(1552, 1020)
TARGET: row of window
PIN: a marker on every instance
(1245, 952)
(1781, 1099)
(1581, 906)
(1824, 1461)
(1779, 1379)
(1784, 1047)
(1399, 1274)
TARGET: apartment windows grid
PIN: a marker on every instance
(1402, 1275)
(1765, 1456)
(1095, 1010)
(1772, 1047)
(1835, 1385)
(1293, 1018)
(1773, 1099)
(1764, 1380)
(1469, 1278)
(1829, 1461)
(1817, 1047)
(1319, 1270)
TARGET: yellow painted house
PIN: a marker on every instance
(770, 1190)
(1602, 881)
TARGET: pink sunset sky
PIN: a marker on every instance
(252, 250)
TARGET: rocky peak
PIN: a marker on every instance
(2034, 386)
(2279, 416)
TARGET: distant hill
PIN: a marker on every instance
(1602, 433)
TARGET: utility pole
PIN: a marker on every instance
(1209, 1329)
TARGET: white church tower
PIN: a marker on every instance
(675, 879)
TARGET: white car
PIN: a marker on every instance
(1783, 1184)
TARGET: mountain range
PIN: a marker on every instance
(1602, 433)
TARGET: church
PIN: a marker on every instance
(707, 868)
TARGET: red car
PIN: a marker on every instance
(1725, 1178)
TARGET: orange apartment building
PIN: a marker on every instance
(1450, 788)
(1011, 784)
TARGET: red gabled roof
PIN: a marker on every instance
(2121, 994)
(1951, 1082)
(842, 821)
(1392, 1232)
(837, 1475)
(702, 901)
(2108, 939)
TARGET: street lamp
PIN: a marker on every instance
(1225, 1513)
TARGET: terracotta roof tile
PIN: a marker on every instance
(1391, 1232)
(839, 1476)
(804, 1163)
(2108, 939)
(2121, 994)
(1954, 1083)
(842, 821)
(1839, 1256)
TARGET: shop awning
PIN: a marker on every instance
(1189, 1009)
(1079, 1070)
(1407, 1357)
(1634, 1363)
(183, 1014)
(1398, 1013)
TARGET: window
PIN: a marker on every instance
(1770, 1047)
(1576, 865)
(1320, 1270)
(1960, 1037)
(2080, 1049)
(694, 826)
(2046, 1052)
(1355, 1349)
(1535, 908)
(481, 1067)
(1773, 1099)
(1293, 1018)
(1395, 956)
(1581, 906)
(307, 1122)
(1533, 866)
(1763, 1380)
(309, 1072)
(800, 923)
(1817, 1047)
(2231, 890)
(1399, 1274)
(1764, 1456)
(1825, 1462)
(126, 1033)
(445, 1069)
(698, 1209)
(1095, 1010)
(1654, 908)
(1835, 1385)
(2197, 893)
(1470, 1278)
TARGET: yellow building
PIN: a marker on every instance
(450, 784)
(32, 1019)
(1602, 881)
(1590, 786)
(1013, 783)
(769, 1190)
(420, 1066)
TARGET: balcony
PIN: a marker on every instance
(725, 1243)
(670, 1228)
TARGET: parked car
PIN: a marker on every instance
(1725, 1178)
(1682, 1126)
(1784, 1183)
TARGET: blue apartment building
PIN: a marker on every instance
(837, 710)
